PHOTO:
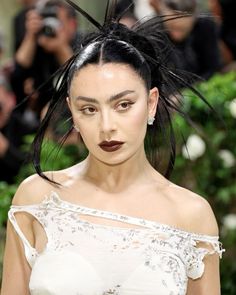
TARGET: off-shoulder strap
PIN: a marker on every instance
(30, 252)
(194, 255)
(212, 241)
(55, 199)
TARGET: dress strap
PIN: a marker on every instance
(195, 254)
(30, 252)
(101, 213)
(55, 199)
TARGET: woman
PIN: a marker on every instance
(112, 224)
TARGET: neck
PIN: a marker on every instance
(116, 178)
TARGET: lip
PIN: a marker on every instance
(111, 146)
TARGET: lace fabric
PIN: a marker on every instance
(88, 258)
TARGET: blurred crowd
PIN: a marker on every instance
(46, 33)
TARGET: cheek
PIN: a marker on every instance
(138, 119)
(140, 112)
(135, 123)
(88, 133)
(88, 127)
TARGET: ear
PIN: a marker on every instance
(68, 102)
(153, 102)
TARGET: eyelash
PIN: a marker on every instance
(128, 103)
(86, 110)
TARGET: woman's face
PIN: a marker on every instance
(110, 106)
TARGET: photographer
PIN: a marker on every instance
(195, 38)
(50, 34)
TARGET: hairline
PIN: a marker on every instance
(79, 64)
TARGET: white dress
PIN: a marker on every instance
(84, 258)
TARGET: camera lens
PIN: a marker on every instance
(50, 26)
(50, 21)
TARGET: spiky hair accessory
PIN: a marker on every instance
(147, 42)
(148, 38)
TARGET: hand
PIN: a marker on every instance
(58, 45)
(33, 23)
(26, 52)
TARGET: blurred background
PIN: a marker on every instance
(38, 36)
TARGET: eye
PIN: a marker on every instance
(124, 106)
(88, 110)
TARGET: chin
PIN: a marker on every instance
(117, 159)
(113, 162)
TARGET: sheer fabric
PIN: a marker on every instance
(85, 258)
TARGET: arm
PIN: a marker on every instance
(25, 237)
(16, 270)
(204, 222)
(25, 54)
(209, 283)
(59, 45)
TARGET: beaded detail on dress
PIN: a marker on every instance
(84, 258)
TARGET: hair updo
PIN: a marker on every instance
(146, 50)
(112, 51)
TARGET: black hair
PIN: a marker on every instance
(112, 50)
(146, 50)
(125, 8)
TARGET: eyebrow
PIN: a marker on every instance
(111, 99)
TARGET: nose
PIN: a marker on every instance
(107, 123)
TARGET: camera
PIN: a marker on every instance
(51, 23)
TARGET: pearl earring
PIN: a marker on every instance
(76, 128)
(151, 120)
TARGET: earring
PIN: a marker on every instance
(76, 128)
(151, 120)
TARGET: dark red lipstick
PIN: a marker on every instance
(111, 146)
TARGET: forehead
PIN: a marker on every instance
(105, 79)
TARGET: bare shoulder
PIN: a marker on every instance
(195, 211)
(34, 188)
